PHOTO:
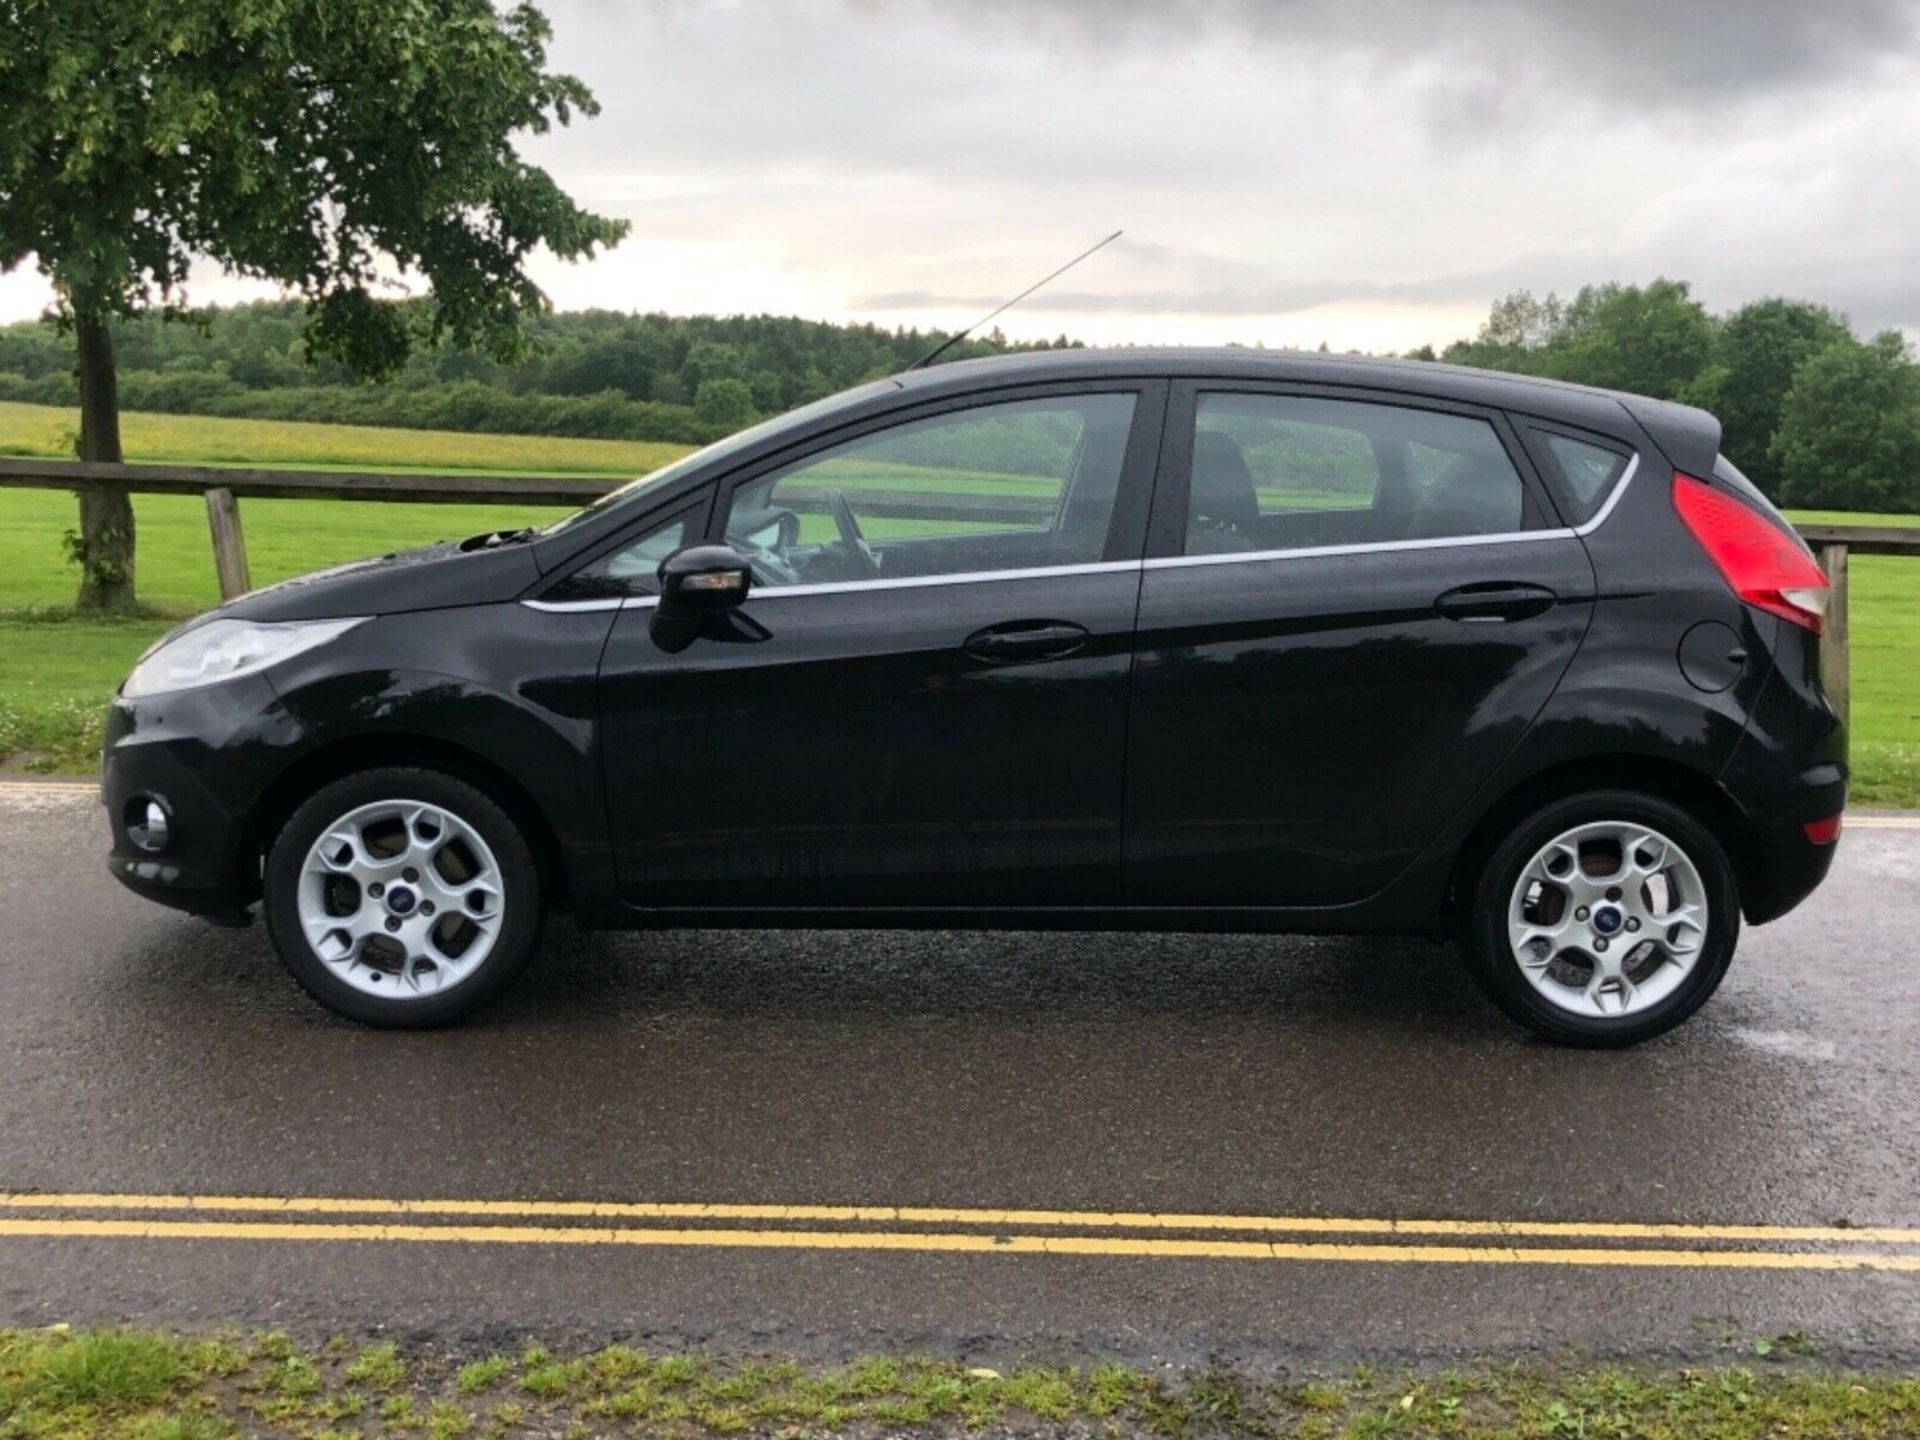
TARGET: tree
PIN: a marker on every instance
(337, 147)
(1514, 336)
(1654, 340)
(1761, 346)
(1849, 435)
(1520, 322)
(724, 402)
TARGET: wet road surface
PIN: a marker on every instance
(1116, 1094)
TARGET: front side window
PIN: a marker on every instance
(1287, 472)
(632, 568)
(1013, 486)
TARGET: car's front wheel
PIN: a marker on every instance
(402, 897)
(1603, 919)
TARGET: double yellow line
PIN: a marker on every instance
(958, 1230)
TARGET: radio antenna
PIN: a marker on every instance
(951, 341)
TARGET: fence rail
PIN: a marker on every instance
(222, 489)
(306, 484)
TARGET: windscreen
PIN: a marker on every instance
(739, 441)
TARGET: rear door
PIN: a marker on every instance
(922, 702)
(1352, 609)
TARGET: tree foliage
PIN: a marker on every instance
(1760, 348)
(593, 372)
(724, 401)
(1849, 435)
(1655, 339)
(341, 148)
(1812, 415)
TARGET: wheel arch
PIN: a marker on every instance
(350, 755)
(1668, 780)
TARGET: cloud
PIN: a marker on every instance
(1369, 172)
(1216, 285)
(1658, 52)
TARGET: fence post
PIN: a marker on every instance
(229, 546)
(1835, 671)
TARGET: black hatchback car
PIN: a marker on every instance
(1157, 640)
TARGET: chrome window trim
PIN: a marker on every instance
(1619, 489)
(573, 607)
(959, 577)
(837, 587)
(1316, 552)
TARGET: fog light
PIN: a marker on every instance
(148, 826)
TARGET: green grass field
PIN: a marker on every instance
(48, 431)
(55, 670)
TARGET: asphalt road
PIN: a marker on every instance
(1117, 1093)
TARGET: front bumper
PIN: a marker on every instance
(206, 756)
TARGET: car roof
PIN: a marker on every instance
(1690, 437)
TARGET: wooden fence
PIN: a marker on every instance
(222, 489)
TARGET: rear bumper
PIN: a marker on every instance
(1789, 865)
(1789, 770)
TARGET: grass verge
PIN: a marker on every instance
(130, 1385)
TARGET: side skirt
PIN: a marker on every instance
(1367, 919)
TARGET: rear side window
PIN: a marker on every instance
(1290, 472)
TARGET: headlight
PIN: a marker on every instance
(225, 649)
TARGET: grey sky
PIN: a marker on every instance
(1369, 174)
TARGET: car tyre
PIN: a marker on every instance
(1503, 920)
(354, 850)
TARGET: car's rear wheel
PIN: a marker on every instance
(402, 897)
(1603, 919)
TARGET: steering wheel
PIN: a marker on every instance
(769, 567)
(850, 535)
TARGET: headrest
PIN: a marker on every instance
(1468, 499)
(1222, 491)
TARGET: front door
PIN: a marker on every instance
(1352, 610)
(923, 701)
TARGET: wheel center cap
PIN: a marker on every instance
(401, 900)
(1606, 920)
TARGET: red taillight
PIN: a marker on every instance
(1760, 561)
(1823, 832)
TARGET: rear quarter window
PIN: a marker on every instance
(1585, 471)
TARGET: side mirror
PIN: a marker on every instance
(702, 579)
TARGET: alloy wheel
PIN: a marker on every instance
(401, 898)
(1608, 919)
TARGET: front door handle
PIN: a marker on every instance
(1025, 640)
(1494, 602)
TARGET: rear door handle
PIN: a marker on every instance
(1494, 602)
(1025, 640)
